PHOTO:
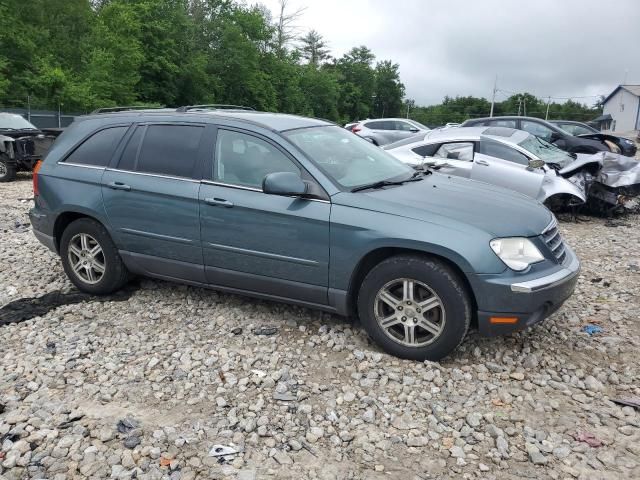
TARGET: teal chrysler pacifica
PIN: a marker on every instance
(298, 210)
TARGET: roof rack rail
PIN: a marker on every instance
(122, 109)
(214, 106)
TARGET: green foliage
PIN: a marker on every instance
(459, 109)
(84, 54)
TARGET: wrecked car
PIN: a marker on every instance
(22, 144)
(528, 164)
(549, 132)
(496, 155)
(621, 145)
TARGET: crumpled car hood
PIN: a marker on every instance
(441, 198)
(614, 170)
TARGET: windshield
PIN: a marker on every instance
(418, 124)
(348, 159)
(546, 151)
(575, 129)
(15, 122)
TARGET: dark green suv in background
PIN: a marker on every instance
(299, 210)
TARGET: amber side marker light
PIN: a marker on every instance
(36, 168)
(510, 320)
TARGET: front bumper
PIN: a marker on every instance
(510, 305)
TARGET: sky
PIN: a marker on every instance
(557, 48)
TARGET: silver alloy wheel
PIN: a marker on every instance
(409, 312)
(86, 258)
(3, 169)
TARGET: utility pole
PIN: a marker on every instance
(493, 98)
(519, 104)
(524, 105)
(546, 117)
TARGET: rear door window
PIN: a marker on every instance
(170, 150)
(98, 149)
(502, 123)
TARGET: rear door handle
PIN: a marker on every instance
(482, 162)
(119, 186)
(218, 202)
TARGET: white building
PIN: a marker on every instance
(623, 108)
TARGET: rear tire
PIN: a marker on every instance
(90, 258)
(414, 307)
(7, 169)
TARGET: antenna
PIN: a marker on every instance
(493, 98)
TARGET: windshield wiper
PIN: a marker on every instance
(416, 177)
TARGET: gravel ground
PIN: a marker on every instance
(144, 387)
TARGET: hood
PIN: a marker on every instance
(610, 169)
(443, 199)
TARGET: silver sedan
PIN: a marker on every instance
(506, 157)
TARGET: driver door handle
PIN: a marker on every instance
(119, 186)
(482, 162)
(218, 202)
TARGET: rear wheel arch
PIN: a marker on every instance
(67, 218)
(374, 257)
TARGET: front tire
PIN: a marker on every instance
(90, 258)
(414, 307)
(7, 169)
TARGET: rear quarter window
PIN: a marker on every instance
(98, 149)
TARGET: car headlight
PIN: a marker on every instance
(627, 141)
(517, 253)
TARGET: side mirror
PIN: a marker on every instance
(414, 130)
(536, 164)
(284, 183)
(554, 137)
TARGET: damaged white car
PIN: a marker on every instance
(517, 160)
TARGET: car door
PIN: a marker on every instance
(151, 199)
(503, 165)
(269, 244)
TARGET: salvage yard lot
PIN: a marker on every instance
(188, 368)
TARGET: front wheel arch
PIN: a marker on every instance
(374, 257)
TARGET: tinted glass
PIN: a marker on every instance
(98, 149)
(170, 150)
(504, 152)
(346, 158)
(419, 125)
(379, 125)
(456, 151)
(426, 150)
(15, 122)
(573, 129)
(537, 129)
(243, 159)
(404, 126)
(130, 154)
(502, 123)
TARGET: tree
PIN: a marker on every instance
(286, 27)
(357, 78)
(314, 48)
(389, 90)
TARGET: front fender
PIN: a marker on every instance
(356, 232)
(554, 184)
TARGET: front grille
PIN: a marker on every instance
(553, 239)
